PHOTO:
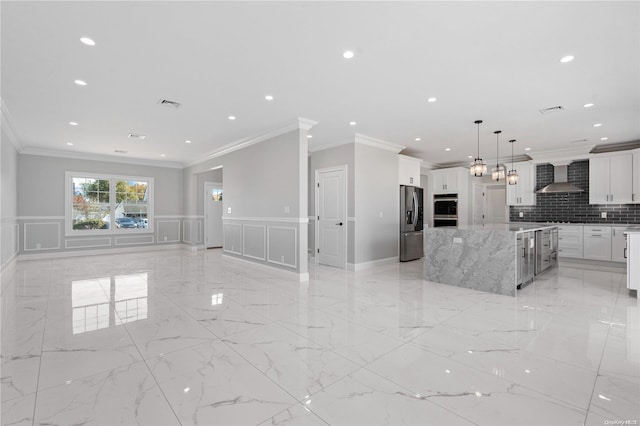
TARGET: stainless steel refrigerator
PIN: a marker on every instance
(411, 222)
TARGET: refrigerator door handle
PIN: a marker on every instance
(415, 208)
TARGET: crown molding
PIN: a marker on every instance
(558, 156)
(378, 143)
(297, 124)
(100, 157)
(426, 165)
(9, 128)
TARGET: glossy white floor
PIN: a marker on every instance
(177, 337)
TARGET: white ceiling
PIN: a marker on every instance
(495, 61)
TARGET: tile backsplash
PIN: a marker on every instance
(572, 207)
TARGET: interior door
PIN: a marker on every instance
(213, 215)
(331, 216)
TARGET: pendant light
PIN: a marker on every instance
(497, 172)
(478, 167)
(512, 176)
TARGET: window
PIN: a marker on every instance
(103, 204)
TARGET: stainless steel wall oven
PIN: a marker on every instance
(445, 210)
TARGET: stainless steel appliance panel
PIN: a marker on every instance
(411, 223)
(411, 208)
(411, 246)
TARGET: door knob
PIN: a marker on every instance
(339, 223)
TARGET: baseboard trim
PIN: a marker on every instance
(595, 265)
(366, 265)
(115, 250)
(289, 274)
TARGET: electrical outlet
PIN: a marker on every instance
(38, 246)
(282, 259)
(603, 215)
(457, 240)
(228, 210)
(521, 214)
(165, 238)
(286, 209)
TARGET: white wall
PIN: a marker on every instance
(41, 209)
(9, 241)
(265, 188)
(377, 193)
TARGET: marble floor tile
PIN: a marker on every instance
(212, 384)
(364, 398)
(298, 415)
(616, 400)
(479, 397)
(18, 411)
(194, 337)
(126, 395)
(298, 365)
(357, 343)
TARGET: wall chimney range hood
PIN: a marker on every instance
(560, 182)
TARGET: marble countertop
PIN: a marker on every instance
(631, 225)
(633, 230)
(503, 227)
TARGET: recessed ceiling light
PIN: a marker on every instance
(352, 123)
(348, 54)
(527, 149)
(589, 105)
(73, 123)
(187, 141)
(80, 82)
(432, 99)
(232, 117)
(163, 155)
(309, 136)
(604, 139)
(469, 156)
(87, 41)
(69, 143)
(597, 125)
(566, 59)
(269, 97)
(418, 139)
(447, 149)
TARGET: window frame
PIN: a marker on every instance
(113, 230)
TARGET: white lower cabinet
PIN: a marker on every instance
(618, 244)
(570, 241)
(597, 243)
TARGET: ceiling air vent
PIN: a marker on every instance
(168, 103)
(551, 109)
(119, 151)
(136, 136)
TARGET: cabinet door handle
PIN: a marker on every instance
(611, 197)
(625, 252)
(607, 197)
(596, 235)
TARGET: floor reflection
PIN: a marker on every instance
(108, 301)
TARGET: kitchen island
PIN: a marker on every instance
(481, 257)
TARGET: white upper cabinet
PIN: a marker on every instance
(635, 196)
(524, 192)
(611, 179)
(444, 181)
(408, 170)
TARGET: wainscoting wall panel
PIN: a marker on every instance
(134, 240)
(232, 238)
(168, 230)
(9, 231)
(282, 245)
(87, 243)
(254, 241)
(41, 236)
